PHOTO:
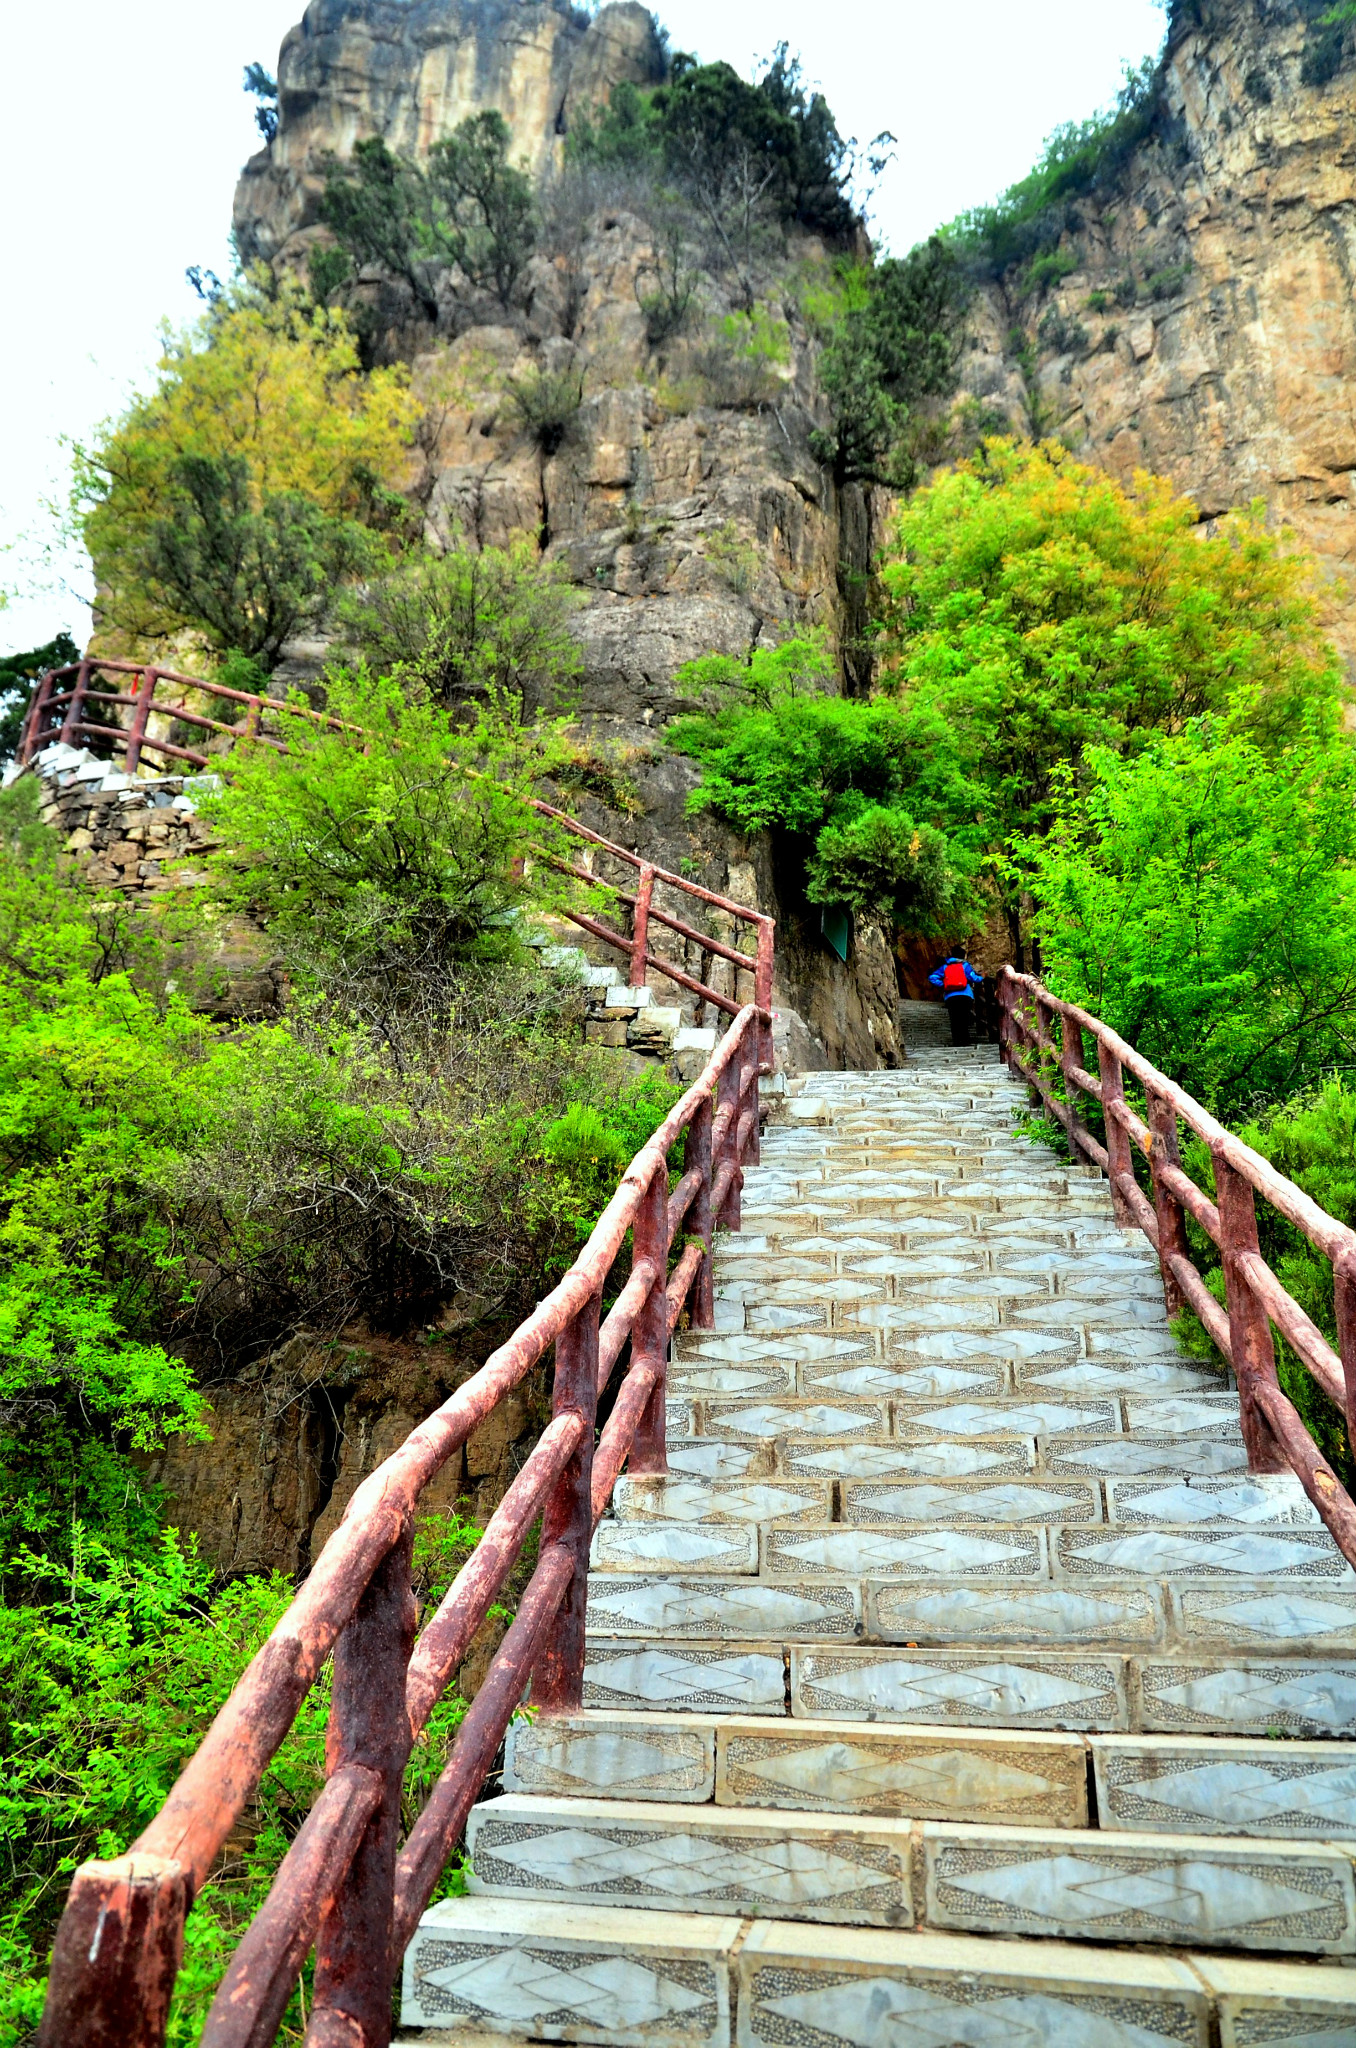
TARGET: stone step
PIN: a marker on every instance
(838, 1767)
(692, 1499)
(1092, 1689)
(1210, 1785)
(968, 1500)
(1219, 1892)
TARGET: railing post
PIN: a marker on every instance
(1344, 1300)
(1072, 1053)
(369, 1724)
(1250, 1340)
(762, 995)
(1005, 1017)
(650, 1330)
(728, 1091)
(558, 1680)
(697, 1153)
(116, 1955)
(33, 722)
(1172, 1237)
(640, 926)
(77, 703)
(141, 718)
(1120, 1159)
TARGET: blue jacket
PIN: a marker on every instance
(973, 978)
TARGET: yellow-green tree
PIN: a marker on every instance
(268, 391)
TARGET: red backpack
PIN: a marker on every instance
(954, 978)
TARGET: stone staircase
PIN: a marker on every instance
(958, 1685)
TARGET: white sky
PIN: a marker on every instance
(120, 154)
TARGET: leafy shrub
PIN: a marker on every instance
(470, 623)
(467, 207)
(742, 368)
(1202, 899)
(547, 404)
(19, 676)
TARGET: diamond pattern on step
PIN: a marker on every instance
(1102, 1616)
(856, 1770)
(968, 1688)
(562, 1756)
(701, 1377)
(881, 1461)
(1250, 1698)
(563, 1978)
(720, 1607)
(819, 1872)
(1115, 1376)
(1007, 1418)
(1209, 1787)
(689, 1500)
(1133, 1456)
(1251, 1500)
(1185, 1415)
(673, 1677)
(1151, 1891)
(1279, 1617)
(905, 2007)
(1165, 1553)
(885, 1377)
(923, 1553)
(804, 1349)
(795, 1419)
(717, 1460)
(1006, 1501)
(674, 1546)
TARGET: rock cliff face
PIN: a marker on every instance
(1208, 327)
(410, 70)
(681, 497)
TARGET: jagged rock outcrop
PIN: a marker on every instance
(410, 70)
(1208, 330)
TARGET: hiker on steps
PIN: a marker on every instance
(957, 980)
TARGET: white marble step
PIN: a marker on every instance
(692, 1499)
(969, 1500)
(1219, 1892)
(1210, 1785)
(834, 1767)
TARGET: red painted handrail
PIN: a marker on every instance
(346, 1887)
(61, 696)
(1273, 1430)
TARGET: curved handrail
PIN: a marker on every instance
(342, 1887)
(1273, 1430)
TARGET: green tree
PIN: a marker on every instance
(19, 677)
(866, 791)
(466, 206)
(489, 622)
(1038, 608)
(246, 573)
(892, 339)
(1201, 897)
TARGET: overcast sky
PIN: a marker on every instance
(119, 153)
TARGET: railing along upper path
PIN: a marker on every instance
(347, 1887)
(1275, 1434)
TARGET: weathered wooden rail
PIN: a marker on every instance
(347, 1887)
(57, 711)
(1276, 1437)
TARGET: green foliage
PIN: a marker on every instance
(669, 306)
(1326, 46)
(1037, 608)
(264, 88)
(245, 572)
(1079, 157)
(627, 134)
(1312, 1140)
(19, 675)
(401, 832)
(862, 786)
(547, 404)
(892, 340)
(467, 207)
(472, 623)
(1201, 899)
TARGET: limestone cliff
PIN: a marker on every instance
(1207, 328)
(681, 496)
(410, 70)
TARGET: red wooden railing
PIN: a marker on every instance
(57, 712)
(347, 1887)
(1276, 1437)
